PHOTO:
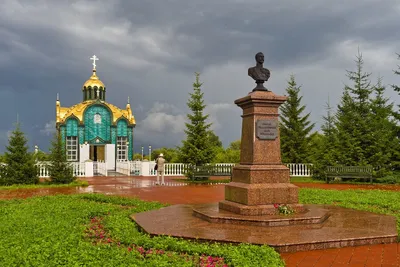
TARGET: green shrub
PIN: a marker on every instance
(392, 179)
(19, 165)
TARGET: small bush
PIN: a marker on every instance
(392, 179)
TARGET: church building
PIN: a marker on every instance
(94, 129)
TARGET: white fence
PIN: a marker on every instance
(135, 167)
(123, 167)
(101, 168)
(300, 169)
(178, 169)
(78, 169)
(146, 168)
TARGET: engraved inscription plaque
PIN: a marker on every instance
(267, 129)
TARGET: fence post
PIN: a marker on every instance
(145, 168)
(89, 169)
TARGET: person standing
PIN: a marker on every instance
(160, 161)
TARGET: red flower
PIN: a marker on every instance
(276, 206)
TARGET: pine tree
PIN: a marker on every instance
(20, 166)
(60, 170)
(397, 116)
(294, 128)
(329, 142)
(383, 150)
(197, 148)
(397, 89)
(353, 129)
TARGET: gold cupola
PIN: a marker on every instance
(94, 88)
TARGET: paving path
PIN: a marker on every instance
(179, 193)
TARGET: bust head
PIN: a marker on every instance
(259, 58)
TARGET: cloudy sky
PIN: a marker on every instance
(149, 51)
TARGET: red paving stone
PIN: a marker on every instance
(177, 193)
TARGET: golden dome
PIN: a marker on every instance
(94, 81)
(78, 110)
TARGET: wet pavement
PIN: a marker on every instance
(175, 192)
(342, 228)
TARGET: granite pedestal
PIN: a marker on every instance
(260, 180)
(248, 214)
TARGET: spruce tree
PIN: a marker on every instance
(60, 170)
(352, 118)
(329, 142)
(397, 89)
(383, 151)
(294, 127)
(197, 149)
(20, 165)
(397, 116)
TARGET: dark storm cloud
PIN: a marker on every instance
(149, 50)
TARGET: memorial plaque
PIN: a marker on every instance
(267, 129)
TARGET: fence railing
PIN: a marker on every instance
(101, 168)
(144, 168)
(135, 167)
(175, 169)
(77, 167)
(123, 167)
(300, 169)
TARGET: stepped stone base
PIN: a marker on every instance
(261, 194)
(256, 210)
(343, 227)
(214, 214)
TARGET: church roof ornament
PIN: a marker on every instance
(94, 80)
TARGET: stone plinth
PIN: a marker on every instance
(298, 232)
(261, 179)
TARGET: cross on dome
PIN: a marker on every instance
(94, 58)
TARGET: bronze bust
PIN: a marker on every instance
(259, 73)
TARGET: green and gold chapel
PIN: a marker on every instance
(95, 129)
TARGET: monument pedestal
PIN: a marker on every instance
(248, 213)
(261, 180)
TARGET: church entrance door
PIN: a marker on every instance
(97, 152)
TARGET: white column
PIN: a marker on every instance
(110, 156)
(145, 168)
(84, 152)
(89, 169)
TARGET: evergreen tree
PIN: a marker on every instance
(383, 151)
(294, 127)
(328, 150)
(229, 155)
(20, 166)
(197, 148)
(60, 170)
(214, 139)
(397, 89)
(352, 118)
(397, 116)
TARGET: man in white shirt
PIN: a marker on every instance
(160, 161)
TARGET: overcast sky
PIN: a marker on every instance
(149, 51)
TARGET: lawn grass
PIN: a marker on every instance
(305, 180)
(45, 184)
(96, 230)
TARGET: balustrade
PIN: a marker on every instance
(129, 168)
